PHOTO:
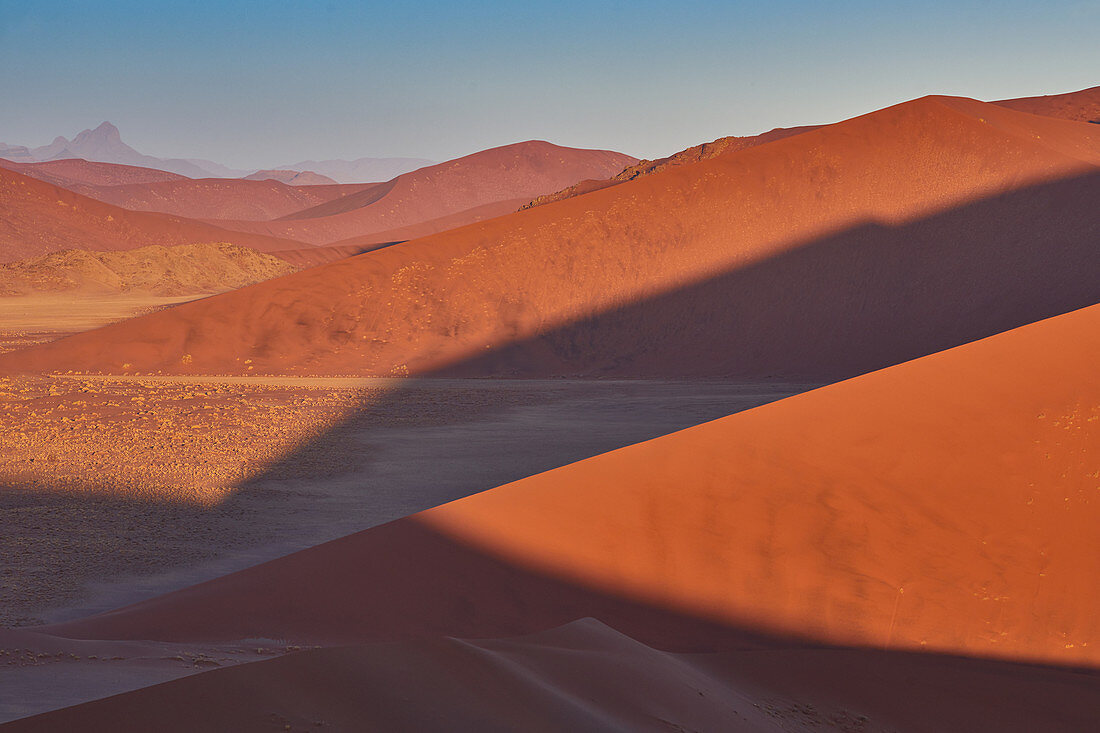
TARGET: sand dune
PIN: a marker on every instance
(182, 270)
(314, 256)
(587, 677)
(75, 172)
(942, 505)
(706, 151)
(433, 226)
(221, 198)
(37, 217)
(827, 254)
(294, 178)
(1082, 106)
(519, 171)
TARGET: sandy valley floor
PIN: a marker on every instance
(116, 489)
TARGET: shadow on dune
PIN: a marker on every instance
(410, 586)
(847, 304)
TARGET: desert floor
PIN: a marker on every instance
(43, 317)
(115, 489)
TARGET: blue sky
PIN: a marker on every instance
(254, 84)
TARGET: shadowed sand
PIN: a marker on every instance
(943, 505)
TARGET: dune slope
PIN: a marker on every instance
(706, 151)
(221, 198)
(72, 172)
(37, 217)
(1082, 106)
(587, 677)
(519, 171)
(824, 255)
(947, 504)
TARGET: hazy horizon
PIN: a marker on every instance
(262, 84)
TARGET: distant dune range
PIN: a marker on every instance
(823, 255)
(166, 271)
(76, 172)
(294, 178)
(220, 198)
(519, 171)
(39, 217)
(945, 506)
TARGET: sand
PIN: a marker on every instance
(177, 472)
(518, 171)
(813, 258)
(40, 217)
(814, 562)
(73, 172)
(546, 683)
(41, 318)
(222, 198)
(910, 549)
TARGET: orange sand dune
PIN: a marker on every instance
(314, 256)
(827, 254)
(37, 217)
(221, 198)
(295, 178)
(72, 172)
(519, 171)
(434, 226)
(1082, 106)
(948, 504)
(706, 151)
(587, 677)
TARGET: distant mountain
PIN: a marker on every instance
(16, 153)
(104, 144)
(291, 177)
(360, 170)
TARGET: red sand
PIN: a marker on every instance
(721, 146)
(434, 226)
(948, 504)
(587, 677)
(39, 217)
(823, 255)
(74, 171)
(1082, 106)
(221, 198)
(519, 171)
(314, 256)
(296, 178)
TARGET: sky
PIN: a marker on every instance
(254, 84)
